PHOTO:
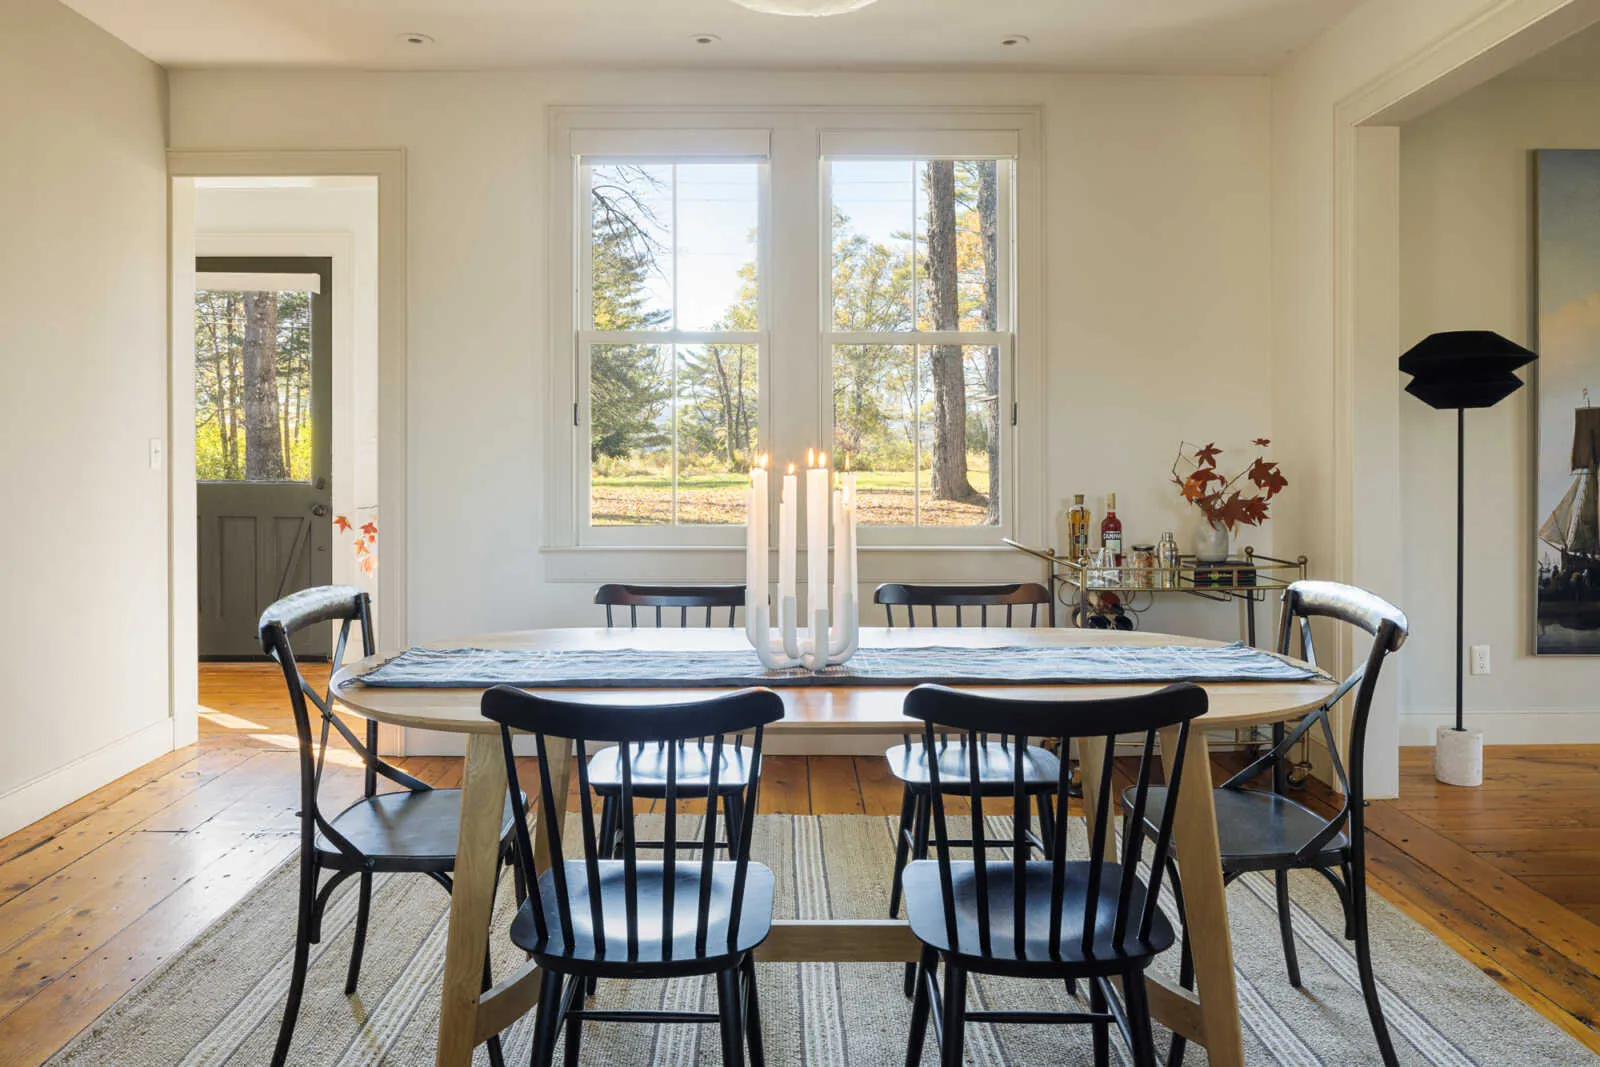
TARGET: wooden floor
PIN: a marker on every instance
(97, 895)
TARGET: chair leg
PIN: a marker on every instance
(574, 1047)
(363, 910)
(1136, 1001)
(545, 1022)
(728, 1009)
(1102, 1030)
(902, 848)
(953, 1041)
(1369, 982)
(302, 958)
(921, 1006)
(752, 1015)
(1286, 928)
(919, 851)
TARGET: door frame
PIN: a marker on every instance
(388, 166)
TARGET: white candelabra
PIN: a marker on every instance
(835, 622)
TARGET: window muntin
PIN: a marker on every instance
(919, 269)
(673, 349)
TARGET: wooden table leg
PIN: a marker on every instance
(559, 753)
(483, 797)
(1205, 901)
(1091, 757)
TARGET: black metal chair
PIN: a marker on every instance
(1262, 830)
(1030, 595)
(1062, 920)
(649, 768)
(908, 760)
(409, 831)
(710, 598)
(600, 917)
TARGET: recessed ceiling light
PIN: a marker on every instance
(1011, 40)
(704, 38)
(805, 8)
(418, 39)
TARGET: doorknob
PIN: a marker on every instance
(319, 510)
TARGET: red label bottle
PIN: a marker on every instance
(1111, 529)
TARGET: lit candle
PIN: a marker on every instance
(787, 526)
(756, 517)
(816, 539)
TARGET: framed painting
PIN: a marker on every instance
(1567, 544)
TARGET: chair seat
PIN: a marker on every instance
(1258, 830)
(652, 959)
(650, 770)
(925, 909)
(1041, 770)
(405, 831)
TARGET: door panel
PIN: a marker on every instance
(263, 346)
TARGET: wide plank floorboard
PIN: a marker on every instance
(95, 896)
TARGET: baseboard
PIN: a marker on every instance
(1508, 727)
(56, 789)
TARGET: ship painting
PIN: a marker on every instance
(1569, 565)
(1567, 487)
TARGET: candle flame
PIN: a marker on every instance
(822, 459)
(847, 462)
(791, 468)
(811, 457)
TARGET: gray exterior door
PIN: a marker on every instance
(263, 462)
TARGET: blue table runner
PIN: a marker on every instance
(641, 668)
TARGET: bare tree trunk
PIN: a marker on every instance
(988, 221)
(263, 447)
(949, 377)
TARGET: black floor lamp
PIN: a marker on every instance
(1462, 369)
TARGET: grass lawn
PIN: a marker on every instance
(886, 499)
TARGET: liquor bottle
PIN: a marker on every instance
(1111, 529)
(1078, 528)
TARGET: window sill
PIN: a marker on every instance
(590, 564)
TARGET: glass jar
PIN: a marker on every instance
(1144, 563)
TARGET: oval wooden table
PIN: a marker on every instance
(468, 1016)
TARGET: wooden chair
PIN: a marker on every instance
(983, 597)
(409, 831)
(1091, 919)
(908, 761)
(710, 598)
(601, 917)
(649, 765)
(1265, 830)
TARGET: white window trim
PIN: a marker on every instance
(574, 552)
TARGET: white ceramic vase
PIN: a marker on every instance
(1211, 541)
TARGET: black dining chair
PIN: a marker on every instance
(604, 917)
(908, 761)
(1090, 920)
(412, 830)
(649, 765)
(1266, 830)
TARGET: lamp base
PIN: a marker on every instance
(1458, 756)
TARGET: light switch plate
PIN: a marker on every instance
(157, 453)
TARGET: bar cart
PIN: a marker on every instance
(1080, 585)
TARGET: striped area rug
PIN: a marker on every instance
(219, 1000)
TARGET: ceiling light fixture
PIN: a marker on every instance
(804, 8)
(418, 39)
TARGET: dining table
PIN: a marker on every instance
(469, 1015)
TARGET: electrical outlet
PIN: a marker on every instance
(1480, 659)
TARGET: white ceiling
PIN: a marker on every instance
(1144, 36)
(1575, 59)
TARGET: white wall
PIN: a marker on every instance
(83, 389)
(1466, 245)
(1157, 281)
(336, 218)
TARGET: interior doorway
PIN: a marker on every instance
(264, 423)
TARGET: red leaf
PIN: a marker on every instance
(1266, 476)
(361, 548)
(1255, 510)
(342, 522)
(368, 565)
(370, 528)
(1261, 442)
(1207, 456)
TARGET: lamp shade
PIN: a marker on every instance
(1464, 368)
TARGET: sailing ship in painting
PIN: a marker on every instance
(1569, 574)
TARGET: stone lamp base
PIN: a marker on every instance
(1458, 756)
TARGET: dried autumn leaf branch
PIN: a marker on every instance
(1220, 497)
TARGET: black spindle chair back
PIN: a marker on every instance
(977, 599)
(712, 600)
(1028, 925)
(655, 927)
